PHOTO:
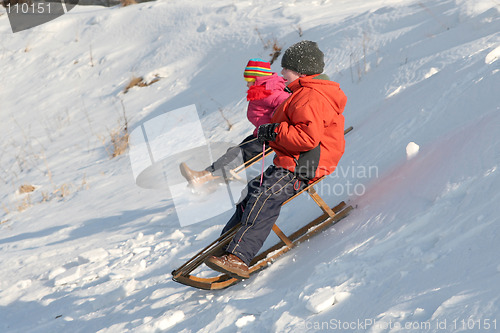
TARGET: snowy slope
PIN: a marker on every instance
(90, 251)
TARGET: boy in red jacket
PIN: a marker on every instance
(265, 93)
(307, 134)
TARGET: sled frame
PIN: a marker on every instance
(329, 217)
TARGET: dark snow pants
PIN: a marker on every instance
(247, 149)
(259, 210)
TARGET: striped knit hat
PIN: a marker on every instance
(256, 67)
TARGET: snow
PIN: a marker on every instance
(412, 150)
(492, 56)
(322, 299)
(171, 319)
(245, 320)
(91, 251)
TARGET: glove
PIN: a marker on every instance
(266, 132)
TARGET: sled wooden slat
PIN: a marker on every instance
(282, 236)
(219, 282)
(321, 203)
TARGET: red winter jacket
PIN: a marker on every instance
(264, 97)
(310, 135)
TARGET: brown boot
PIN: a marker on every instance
(229, 264)
(196, 178)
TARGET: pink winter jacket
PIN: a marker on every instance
(264, 97)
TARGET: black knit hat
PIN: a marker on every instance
(304, 57)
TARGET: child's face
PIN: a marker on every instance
(290, 75)
(249, 84)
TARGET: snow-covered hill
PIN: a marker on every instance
(90, 251)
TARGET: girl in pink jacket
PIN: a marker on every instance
(266, 91)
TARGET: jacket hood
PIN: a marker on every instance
(321, 83)
(271, 82)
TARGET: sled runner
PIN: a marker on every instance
(329, 217)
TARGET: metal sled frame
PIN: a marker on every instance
(327, 219)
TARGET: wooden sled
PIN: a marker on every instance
(328, 218)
